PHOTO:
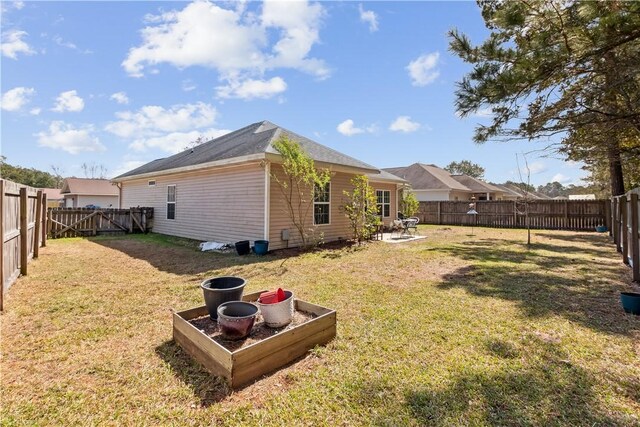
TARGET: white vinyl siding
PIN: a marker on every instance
(223, 205)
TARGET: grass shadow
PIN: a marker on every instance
(210, 389)
(179, 256)
(550, 282)
(546, 389)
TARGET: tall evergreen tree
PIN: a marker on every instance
(552, 67)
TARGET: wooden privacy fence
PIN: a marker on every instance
(542, 214)
(625, 217)
(79, 222)
(23, 226)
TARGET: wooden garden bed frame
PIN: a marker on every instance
(241, 366)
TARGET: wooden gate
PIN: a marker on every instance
(80, 222)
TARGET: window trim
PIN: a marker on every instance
(321, 203)
(383, 203)
(174, 203)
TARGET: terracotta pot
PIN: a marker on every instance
(236, 319)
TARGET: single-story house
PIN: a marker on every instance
(431, 183)
(83, 192)
(55, 199)
(224, 190)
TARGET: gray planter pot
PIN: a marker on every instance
(221, 289)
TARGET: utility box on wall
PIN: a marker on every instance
(284, 234)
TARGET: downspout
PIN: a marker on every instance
(267, 199)
(119, 185)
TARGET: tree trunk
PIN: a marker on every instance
(615, 169)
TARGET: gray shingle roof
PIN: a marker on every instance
(427, 177)
(256, 138)
(476, 185)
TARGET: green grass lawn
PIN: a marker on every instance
(451, 330)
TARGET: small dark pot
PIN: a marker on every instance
(630, 302)
(242, 247)
(261, 247)
(601, 229)
(221, 289)
(236, 319)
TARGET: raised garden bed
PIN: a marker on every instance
(264, 351)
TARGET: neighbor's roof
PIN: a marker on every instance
(385, 176)
(508, 190)
(53, 193)
(93, 187)
(255, 140)
(476, 185)
(427, 177)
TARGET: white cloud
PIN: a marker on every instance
(188, 85)
(348, 128)
(249, 89)
(423, 69)
(404, 124)
(68, 101)
(562, 179)
(35, 111)
(18, 4)
(16, 98)
(168, 129)
(243, 41)
(153, 120)
(63, 136)
(69, 45)
(369, 17)
(175, 142)
(537, 167)
(120, 97)
(12, 44)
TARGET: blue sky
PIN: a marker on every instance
(123, 83)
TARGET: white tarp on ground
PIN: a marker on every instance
(214, 246)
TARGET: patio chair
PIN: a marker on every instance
(411, 224)
(396, 226)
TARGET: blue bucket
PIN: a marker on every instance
(261, 247)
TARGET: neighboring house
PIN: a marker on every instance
(532, 195)
(223, 190)
(82, 192)
(509, 193)
(431, 183)
(55, 199)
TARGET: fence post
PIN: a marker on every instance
(624, 229)
(36, 230)
(1, 244)
(607, 216)
(439, 211)
(635, 239)
(23, 231)
(43, 208)
(616, 223)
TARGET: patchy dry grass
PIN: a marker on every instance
(451, 330)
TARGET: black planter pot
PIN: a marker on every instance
(243, 248)
(221, 289)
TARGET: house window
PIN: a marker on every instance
(152, 183)
(321, 204)
(384, 203)
(171, 202)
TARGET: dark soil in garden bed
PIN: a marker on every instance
(259, 332)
